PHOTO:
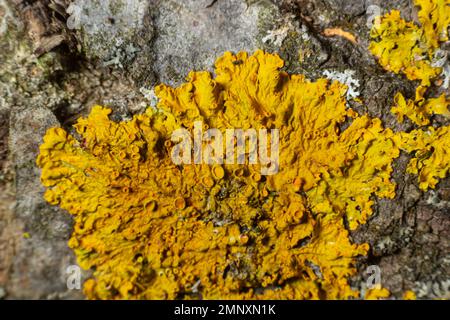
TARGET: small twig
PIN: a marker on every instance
(211, 4)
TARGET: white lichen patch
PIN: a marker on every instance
(108, 27)
(446, 75)
(150, 96)
(287, 24)
(93, 16)
(121, 54)
(304, 34)
(6, 16)
(348, 78)
(434, 290)
(385, 243)
(441, 60)
(434, 200)
(276, 37)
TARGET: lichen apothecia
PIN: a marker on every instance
(150, 229)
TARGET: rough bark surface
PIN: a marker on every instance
(55, 65)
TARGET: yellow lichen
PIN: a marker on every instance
(405, 47)
(377, 293)
(368, 173)
(398, 48)
(420, 109)
(434, 16)
(409, 295)
(151, 229)
(432, 153)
